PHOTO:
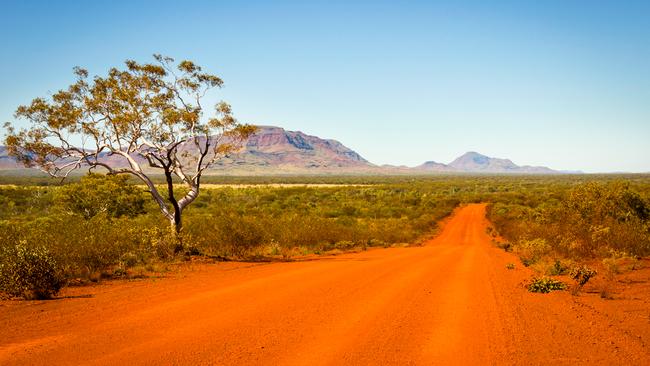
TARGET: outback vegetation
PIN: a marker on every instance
(104, 226)
(101, 226)
(604, 223)
(545, 285)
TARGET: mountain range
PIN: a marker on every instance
(274, 150)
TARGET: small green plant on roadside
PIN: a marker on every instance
(545, 285)
(510, 266)
(29, 272)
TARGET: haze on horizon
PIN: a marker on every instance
(563, 84)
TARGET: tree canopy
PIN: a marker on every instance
(139, 120)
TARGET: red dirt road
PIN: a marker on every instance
(451, 301)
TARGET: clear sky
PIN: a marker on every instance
(562, 83)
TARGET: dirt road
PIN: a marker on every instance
(451, 301)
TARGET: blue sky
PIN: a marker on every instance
(559, 83)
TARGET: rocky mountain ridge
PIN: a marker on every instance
(274, 150)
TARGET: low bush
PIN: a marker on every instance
(588, 220)
(29, 272)
(377, 243)
(344, 245)
(96, 193)
(531, 251)
(558, 268)
(582, 274)
(545, 285)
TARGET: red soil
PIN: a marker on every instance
(451, 301)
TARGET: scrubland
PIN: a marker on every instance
(105, 227)
(576, 230)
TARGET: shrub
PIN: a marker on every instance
(586, 220)
(545, 285)
(239, 234)
(582, 274)
(376, 243)
(97, 225)
(558, 268)
(344, 245)
(129, 259)
(97, 193)
(510, 266)
(29, 272)
(531, 251)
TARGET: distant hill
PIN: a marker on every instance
(274, 150)
(475, 162)
(432, 166)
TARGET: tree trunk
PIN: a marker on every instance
(176, 229)
(178, 222)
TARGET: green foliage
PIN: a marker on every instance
(85, 247)
(510, 266)
(591, 219)
(227, 234)
(29, 272)
(531, 251)
(97, 193)
(107, 235)
(532, 213)
(322, 218)
(545, 285)
(596, 201)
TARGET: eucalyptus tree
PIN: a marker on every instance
(141, 120)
